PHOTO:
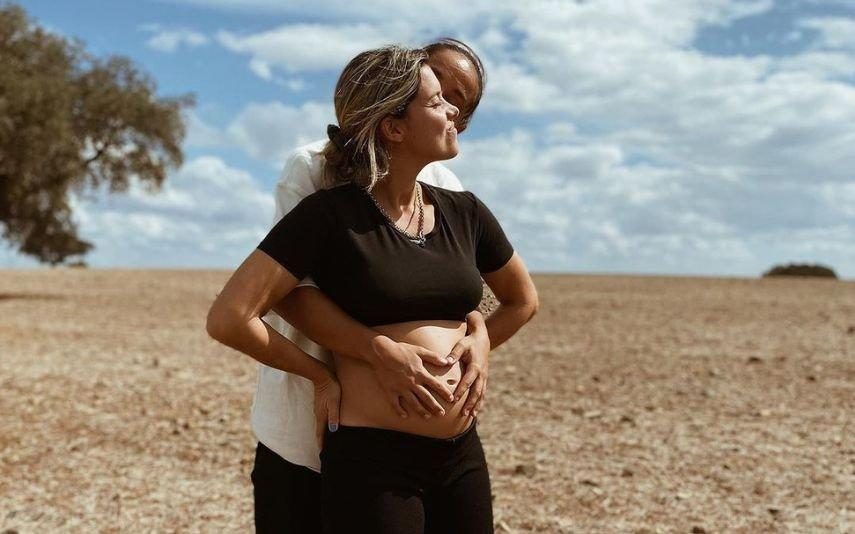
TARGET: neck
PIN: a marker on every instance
(398, 188)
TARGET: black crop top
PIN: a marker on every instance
(375, 274)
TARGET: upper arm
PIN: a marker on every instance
(292, 249)
(501, 267)
(298, 241)
(252, 290)
(492, 248)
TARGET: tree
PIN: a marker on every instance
(71, 122)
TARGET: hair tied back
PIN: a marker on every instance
(335, 134)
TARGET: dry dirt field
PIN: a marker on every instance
(629, 404)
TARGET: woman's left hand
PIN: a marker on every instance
(473, 350)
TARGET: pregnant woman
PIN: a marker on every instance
(406, 259)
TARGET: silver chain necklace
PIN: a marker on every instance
(417, 239)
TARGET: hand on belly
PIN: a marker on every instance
(365, 401)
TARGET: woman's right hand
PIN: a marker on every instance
(327, 404)
(404, 379)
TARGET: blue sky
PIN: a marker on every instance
(695, 137)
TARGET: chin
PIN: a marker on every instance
(451, 152)
(445, 156)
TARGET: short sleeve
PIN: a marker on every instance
(298, 240)
(492, 248)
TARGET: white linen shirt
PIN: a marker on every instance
(283, 408)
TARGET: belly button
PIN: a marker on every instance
(451, 381)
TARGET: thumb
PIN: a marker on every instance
(456, 353)
(433, 357)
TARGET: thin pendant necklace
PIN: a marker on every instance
(418, 239)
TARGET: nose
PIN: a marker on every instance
(453, 111)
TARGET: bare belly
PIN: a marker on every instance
(364, 404)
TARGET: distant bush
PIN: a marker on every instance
(801, 269)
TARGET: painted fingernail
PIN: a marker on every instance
(332, 426)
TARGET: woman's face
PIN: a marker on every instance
(430, 132)
(458, 78)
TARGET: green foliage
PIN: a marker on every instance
(71, 122)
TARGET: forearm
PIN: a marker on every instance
(261, 342)
(337, 332)
(505, 321)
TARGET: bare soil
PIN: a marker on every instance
(629, 404)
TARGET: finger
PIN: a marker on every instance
(456, 352)
(428, 401)
(397, 405)
(466, 382)
(416, 405)
(432, 357)
(474, 395)
(477, 409)
(332, 414)
(435, 384)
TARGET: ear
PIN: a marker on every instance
(392, 130)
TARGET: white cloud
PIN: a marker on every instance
(270, 131)
(636, 217)
(202, 134)
(308, 47)
(261, 69)
(820, 64)
(207, 214)
(613, 143)
(834, 32)
(170, 39)
(265, 131)
(426, 13)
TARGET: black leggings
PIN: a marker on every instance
(287, 496)
(389, 482)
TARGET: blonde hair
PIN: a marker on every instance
(375, 84)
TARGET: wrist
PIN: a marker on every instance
(475, 323)
(380, 348)
(321, 374)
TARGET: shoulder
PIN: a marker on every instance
(309, 151)
(339, 196)
(304, 167)
(461, 201)
(342, 190)
(438, 174)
